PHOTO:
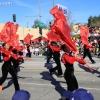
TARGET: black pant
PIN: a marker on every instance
(49, 57)
(29, 53)
(15, 64)
(99, 47)
(0, 58)
(6, 67)
(70, 79)
(87, 53)
(21, 54)
(58, 67)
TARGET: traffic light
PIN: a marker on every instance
(14, 17)
(40, 30)
(50, 24)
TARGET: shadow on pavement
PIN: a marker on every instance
(11, 81)
(54, 82)
(95, 70)
(84, 68)
(8, 85)
(48, 65)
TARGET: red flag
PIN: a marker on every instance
(14, 28)
(61, 28)
(12, 34)
(4, 36)
(36, 40)
(27, 38)
(14, 40)
(44, 39)
(52, 36)
(19, 48)
(4, 28)
(57, 13)
(8, 33)
(8, 28)
(84, 32)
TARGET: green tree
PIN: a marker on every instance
(94, 21)
(37, 22)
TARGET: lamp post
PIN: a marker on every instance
(27, 23)
(39, 10)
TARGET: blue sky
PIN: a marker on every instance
(80, 9)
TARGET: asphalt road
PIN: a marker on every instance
(34, 77)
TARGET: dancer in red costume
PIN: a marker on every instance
(7, 67)
(68, 59)
(84, 31)
(56, 56)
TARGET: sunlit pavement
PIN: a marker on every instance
(34, 77)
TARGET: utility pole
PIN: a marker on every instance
(53, 3)
(27, 24)
(52, 7)
(39, 10)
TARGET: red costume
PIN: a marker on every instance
(55, 48)
(71, 59)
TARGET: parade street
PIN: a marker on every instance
(34, 77)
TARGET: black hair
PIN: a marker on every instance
(63, 47)
(53, 42)
(4, 44)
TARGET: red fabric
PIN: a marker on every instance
(7, 55)
(5, 51)
(52, 36)
(19, 48)
(14, 28)
(20, 59)
(61, 28)
(4, 33)
(4, 37)
(57, 13)
(36, 40)
(44, 39)
(54, 48)
(27, 39)
(8, 34)
(71, 59)
(14, 40)
(88, 46)
(6, 58)
(82, 61)
(8, 28)
(15, 56)
(84, 32)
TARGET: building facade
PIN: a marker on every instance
(22, 32)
